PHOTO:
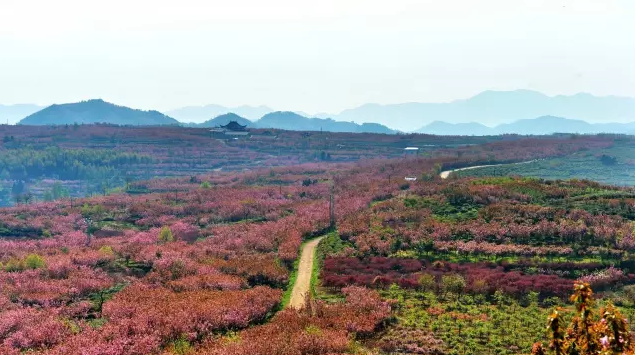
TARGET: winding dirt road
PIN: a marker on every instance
(305, 268)
(445, 174)
(307, 258)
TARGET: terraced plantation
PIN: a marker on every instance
(213, 263)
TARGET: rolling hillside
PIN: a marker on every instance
(537, 126)
(495, 107)
(201, 114)
(224, 119)
(295, 122)
(96, 111)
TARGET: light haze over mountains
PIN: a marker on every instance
(535, 126)
(492, 108)
(12, 114)
(490, 112)
(489, 108)
(200, 114)
(313, 56)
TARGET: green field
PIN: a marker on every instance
(581, 165)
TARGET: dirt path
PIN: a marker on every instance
(305, 269)
(445, 174)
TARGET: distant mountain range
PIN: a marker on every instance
(490, 112)
(96, 111)
(13, 113)
(200, 114)
(459, 129)
(489, 108)
(294, 122)
(99, 111)
(495, 107)
(537, 126)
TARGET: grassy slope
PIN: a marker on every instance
(581, 165)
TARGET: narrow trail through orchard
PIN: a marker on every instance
(302, 284)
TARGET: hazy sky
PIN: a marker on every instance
(323, 55)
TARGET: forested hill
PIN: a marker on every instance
(225, 119)
(96, 111)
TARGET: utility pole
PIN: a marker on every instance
(332, 206)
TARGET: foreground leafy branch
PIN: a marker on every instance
(586, 335)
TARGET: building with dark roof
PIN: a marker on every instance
(232, 129)
(234, 126)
